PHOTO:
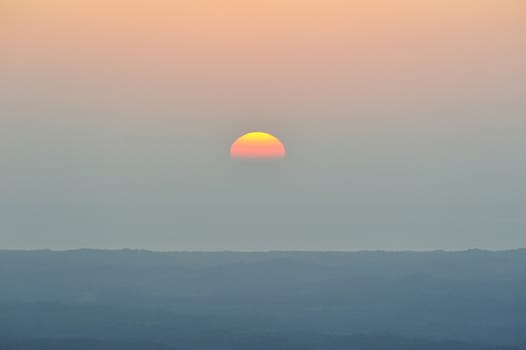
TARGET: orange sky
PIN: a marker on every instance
(224, 50)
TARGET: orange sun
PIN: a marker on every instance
(257, 145)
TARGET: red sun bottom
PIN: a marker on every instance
(258, 152)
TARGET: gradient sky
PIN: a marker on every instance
(404, 122)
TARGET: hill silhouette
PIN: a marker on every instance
(286, 300)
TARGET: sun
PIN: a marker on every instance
(257, 145)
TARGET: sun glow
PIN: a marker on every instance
(257, 145)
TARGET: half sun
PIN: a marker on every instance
(257, 145)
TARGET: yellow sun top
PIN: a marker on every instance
(258, 136)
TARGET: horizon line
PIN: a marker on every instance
(263, 251)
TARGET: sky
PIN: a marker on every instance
(404, 124)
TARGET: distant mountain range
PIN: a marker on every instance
(133, 299)
(228, 341)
